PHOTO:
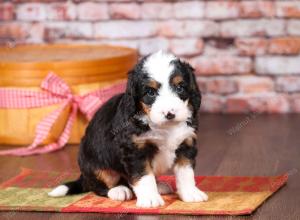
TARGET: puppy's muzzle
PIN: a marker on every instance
(170, 116)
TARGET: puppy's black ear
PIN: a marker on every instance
(195, 94)
(130, 96)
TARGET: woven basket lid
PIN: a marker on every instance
(27, 65)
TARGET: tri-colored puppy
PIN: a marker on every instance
(142, 133)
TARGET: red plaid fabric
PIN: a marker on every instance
(54, 91)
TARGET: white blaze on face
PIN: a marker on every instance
(159, 68)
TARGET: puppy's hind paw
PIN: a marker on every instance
(120, 193)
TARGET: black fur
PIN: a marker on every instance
(192, 89)
(187, 152)
(107, 143)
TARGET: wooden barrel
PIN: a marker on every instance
(84, 68)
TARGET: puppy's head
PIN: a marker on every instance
(164, 88)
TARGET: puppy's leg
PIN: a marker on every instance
(91, 183)
(135, 158)
(184, 173)
(145, 189)
(186, 188)
(144, 185)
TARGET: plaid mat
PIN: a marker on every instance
(228, 195)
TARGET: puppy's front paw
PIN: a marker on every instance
(150, 201)
(192, 194)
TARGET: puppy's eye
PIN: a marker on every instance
(179, 89)
(151, 92)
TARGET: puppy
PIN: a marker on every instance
(142, 133)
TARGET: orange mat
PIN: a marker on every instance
(228, 195)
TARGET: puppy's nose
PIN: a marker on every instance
(170, 116)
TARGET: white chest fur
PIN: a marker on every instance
(167, 139)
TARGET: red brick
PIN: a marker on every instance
(293, 27)
(251, 46)
(13, 31)
(159, 10)
(258, 103)
(44, 1)
(212, 103)
(22, 33)
(252, 27)
(222, 9)
(61, 11)
(169, 28)
(288, 84)
(188, 28)
(186, 47)
(124, 10)
(6, 11)
(210, 50)
(295, 103)
(288, 9)
(147, 46)
(253, 84)
(277, 65)
(60, 30)
(90, 11)
(222, 65)
(189, 9)
(125, 43)
(278, 104)
(219, 85)
(35, 33)
(257, 9)
(219, 47)
(31, 12)
(284, 45)
(125, 29)
(237, 104)
(243, 28)
(268, 102)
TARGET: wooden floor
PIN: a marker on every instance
(228, 145)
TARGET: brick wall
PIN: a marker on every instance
(246, 52)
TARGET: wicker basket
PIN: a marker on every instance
(83, 67)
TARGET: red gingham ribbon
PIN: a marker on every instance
(55, 91)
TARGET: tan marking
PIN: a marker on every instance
(107, 176)
(177, 79)
(190, 106)
(182, 161)
(140, 143)
(190, 141)
(148, 168)
(153, 84)
(158, 168)
(145, 108)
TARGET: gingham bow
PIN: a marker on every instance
(55, 91)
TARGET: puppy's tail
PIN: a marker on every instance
(69, 188)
